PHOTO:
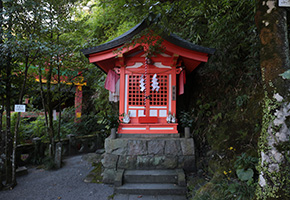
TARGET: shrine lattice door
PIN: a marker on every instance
(157, 102)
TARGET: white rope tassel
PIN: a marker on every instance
(155, 84)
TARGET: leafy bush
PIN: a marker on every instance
(88, 124)
(186, 118)
(227, 186)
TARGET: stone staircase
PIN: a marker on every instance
(151, 182)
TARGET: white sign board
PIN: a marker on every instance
(284, 3)
(19, 108)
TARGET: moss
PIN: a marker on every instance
(95, 175)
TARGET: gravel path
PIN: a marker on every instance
(65, 184)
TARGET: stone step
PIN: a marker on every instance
(151, 189)
(149, 197)
(150, 176)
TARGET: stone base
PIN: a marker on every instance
(147, 153)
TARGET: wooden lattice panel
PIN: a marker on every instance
(159, 98)
(135, 96)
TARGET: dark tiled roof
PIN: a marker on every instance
(122, 39)
(174, 39)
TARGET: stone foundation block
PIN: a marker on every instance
(137, 147)
(127, 162)
(109, 175)
(172, 147)
(147, 153)
(116, 146)
(187, 147)
(110, 160)
(156, 147)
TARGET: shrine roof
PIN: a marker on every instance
(127, 36)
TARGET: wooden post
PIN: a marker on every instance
(122, 90)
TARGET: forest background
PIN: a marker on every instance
(224, 99)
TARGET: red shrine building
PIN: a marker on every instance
(147, 86)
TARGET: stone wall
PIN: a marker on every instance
(147, 153)
(33, 153)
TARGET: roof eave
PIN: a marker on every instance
(122, 39)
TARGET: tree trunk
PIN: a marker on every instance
(22, 91)
(59, 96)
(42, 98)
(2, 136)
(8, 138)
(274, 60)
(49, 108)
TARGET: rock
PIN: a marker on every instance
(158, 161)
(110, 161)
(109, 175)
(172, 147)
(127, 162)
(100, 151)
(187, 147)
(170, 162)
(116, 146)
(143, 162)
(20, 171)
(137, 147)
(187, 163)
(92, 158)
(274, 168)
(156, 147)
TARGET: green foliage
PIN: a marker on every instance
(113, 121)
(186, 119)
(286, 74)
(225, 190)
(225, 185)
(242, 100)
(48, 163)
(245, 174)
(33, 129)
(245, 161)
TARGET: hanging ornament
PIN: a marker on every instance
(142, 83)
(155, 84)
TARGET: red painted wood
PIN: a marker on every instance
(173, 83)
(78, 101)
(122, 91)
(148, 128)
(147, 120)
(112, 53)
(194, 55)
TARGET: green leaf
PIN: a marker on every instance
(245, 175)
(232, 188)
(286, 74)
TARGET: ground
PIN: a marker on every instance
(66, 183)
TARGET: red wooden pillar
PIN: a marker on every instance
(78, 101)
(173, 83)
(122, 86)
